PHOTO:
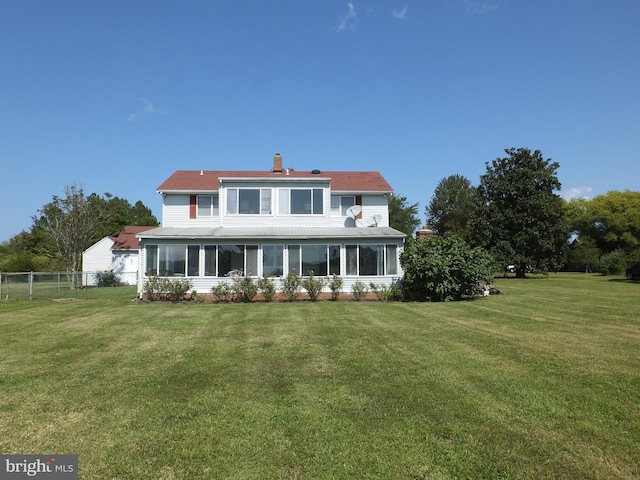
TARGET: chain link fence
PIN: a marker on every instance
(64, 285)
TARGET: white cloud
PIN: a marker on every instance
(576, 192)
(346, 20)
(148, 108)
(400, 14)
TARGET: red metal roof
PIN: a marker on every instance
(208, 180)
(127, 240)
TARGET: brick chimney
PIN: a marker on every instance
(277, 163)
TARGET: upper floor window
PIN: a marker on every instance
(301, 201)
(339, 205)
(208, 206)
(249, 201)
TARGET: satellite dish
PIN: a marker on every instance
(354, 211)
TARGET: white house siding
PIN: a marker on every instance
(95, 259)
(125, 266)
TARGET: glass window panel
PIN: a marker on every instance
(265, 201)
(345, 203)
(283, 200)
(230, 257)
(210, 260)
(392, 260)
(335, 206)
(318, 201)
(172, 260)
(193, 264)
(215, 210)
(152, 260)
(249, 201)
(251, 256)
(232, 200)
(352, 259)
(272, 263)
(314, 257)
(294, 259)
(204, 205)
(369, 260)
(301, 202)
(334, 260)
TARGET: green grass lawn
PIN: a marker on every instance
(541, 382)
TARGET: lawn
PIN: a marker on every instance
(541, 382)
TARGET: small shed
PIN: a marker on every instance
(118, 254)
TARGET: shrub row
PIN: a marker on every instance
(245, 289)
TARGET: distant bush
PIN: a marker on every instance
(613, 263)
(359, 290)
(313, 286)
(107, 278)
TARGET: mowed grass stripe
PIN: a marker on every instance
(503, 387)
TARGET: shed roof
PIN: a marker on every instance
(127, 239)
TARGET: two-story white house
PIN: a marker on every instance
(270, 223)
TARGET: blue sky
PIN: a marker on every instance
(116, 95)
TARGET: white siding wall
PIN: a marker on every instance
(125, 266)
(96, 258)
(371, 205)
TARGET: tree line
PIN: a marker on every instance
(68, 225)
(517, 215)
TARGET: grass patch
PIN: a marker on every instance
(542, 382)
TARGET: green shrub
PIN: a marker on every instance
(313, 286)
(152, 289)
(244, 289)
(223, 292)
(290, 287)
(395, 292)
(444, 268)
(359, 290)
(267, 288)
(335, 285)
(380, 290)
(177, 289)
(163, 288)
(107, 278)
(613, 263)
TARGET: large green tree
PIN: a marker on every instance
(519, 217)
(612, 220)
(402, 216)
(451, 206)
(72, 223)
